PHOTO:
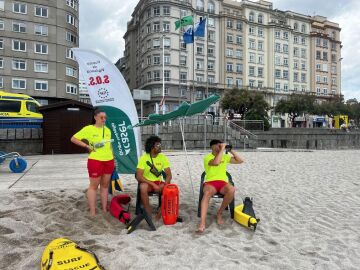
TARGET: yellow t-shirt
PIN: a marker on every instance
(96, 135)
(160, 162)
(214, 173)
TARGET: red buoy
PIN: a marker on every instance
(170, 204)
(117, 210)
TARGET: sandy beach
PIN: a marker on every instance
(308, 203)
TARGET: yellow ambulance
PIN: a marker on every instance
(18, 106)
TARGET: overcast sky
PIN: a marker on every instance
(103, 25)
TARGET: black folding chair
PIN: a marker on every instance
(151, 194)
(217, 195)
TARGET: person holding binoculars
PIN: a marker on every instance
(216, 180)
(101, 158)
(149, 171)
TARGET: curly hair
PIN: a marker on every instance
(150, 143)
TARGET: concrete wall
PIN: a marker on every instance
(26, 141)
(302, 138)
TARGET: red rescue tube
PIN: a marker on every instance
(117, 210)
(170, 204)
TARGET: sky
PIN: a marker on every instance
(103, 25)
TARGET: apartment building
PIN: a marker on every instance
(247, 45)
(35, 41)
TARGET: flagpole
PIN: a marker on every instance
(207, 59)
(193, 51)
(163, 75)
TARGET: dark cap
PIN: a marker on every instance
(212, 142)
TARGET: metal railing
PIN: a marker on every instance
(250, 124)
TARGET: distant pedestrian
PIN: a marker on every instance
(100, 161)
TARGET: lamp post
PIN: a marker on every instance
(340, 59)
(163, 75)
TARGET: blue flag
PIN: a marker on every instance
(188, 36)
(199, 29)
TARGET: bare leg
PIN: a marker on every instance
(228, 191)
(91, 194)
(104, 189)
(208, 191)
(158, 215)
(145, 197)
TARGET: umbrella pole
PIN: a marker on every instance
(182, 126)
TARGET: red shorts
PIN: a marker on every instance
(218, 184)
(98, 168)
(150, 188)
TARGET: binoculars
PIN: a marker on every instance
(228, 148)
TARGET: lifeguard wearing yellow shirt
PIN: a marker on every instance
(100, 161)
(149, 170)
(216, 180)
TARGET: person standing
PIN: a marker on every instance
(100, 160)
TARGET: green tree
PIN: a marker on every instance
(250, 105)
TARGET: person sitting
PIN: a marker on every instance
(149, 171)
(216, 180)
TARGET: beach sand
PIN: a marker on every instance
(308, 203)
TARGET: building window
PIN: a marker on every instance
(239, 40)
(286, 87)
(200, 64)
(296, 39)
(156, 59)
(252, 57)
(251, 30)
(260, 72)
(1, 82)
(71, 20)
(41, 85)
(199, 77)
(70, 54)
(286, 35)
(183, 60)
(239, 82)
(261, 59)
(156, 27)
(296, 76)
(252, 44)
(303, 28)
(277, 34)
(286, 62)
(318, 90)
(239, 68)
(318, 78)
(18, 64)
(260, 45)
(167, 75)
(72, 3)
(2, 25)
(41, 12)
(277, 73)
(19, 27)
(229, 81)
(200, 49)
(166, 10)
(211, 36)
(277, 47)
(19, 83)
(229, 38)
(183, 77)
(18, 45)
(19, 8)
(156, 11)
(211, 79)
(72, 72)
(251, 71)
(260, 18)
(1, 44)
(1, 63)
(229, 52)
(296, 26)
(71, 89)
(285, 48)
(303, 41)
(251, 83)
(40, 66)
(71, 38)
(229, 67)
(303, 53)
(211, 65)
(156, 43)
(239, 54)
(211, 22)
(325, 56)
(277, 86)
(318, 66)
(156, 75)
(167, 43)
(41, 48)
(296, 52)
(239, 25)
(303, 65)
(260, 32)
(183, 91)
(166, 26)
(251, 16)
(167, 59)
(285, 74)
(211, 51)
(211, 7)
(303, 77)
(325, 79)
(41, 30)
(229, 23)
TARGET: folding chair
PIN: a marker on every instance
(217, 195)
(151, 194)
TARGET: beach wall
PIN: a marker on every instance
(305, 138)
(26, 141)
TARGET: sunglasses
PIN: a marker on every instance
(103, 117)
(158, 145)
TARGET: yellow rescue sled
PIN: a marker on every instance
(245, 215)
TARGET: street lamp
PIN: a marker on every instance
(340, 59)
